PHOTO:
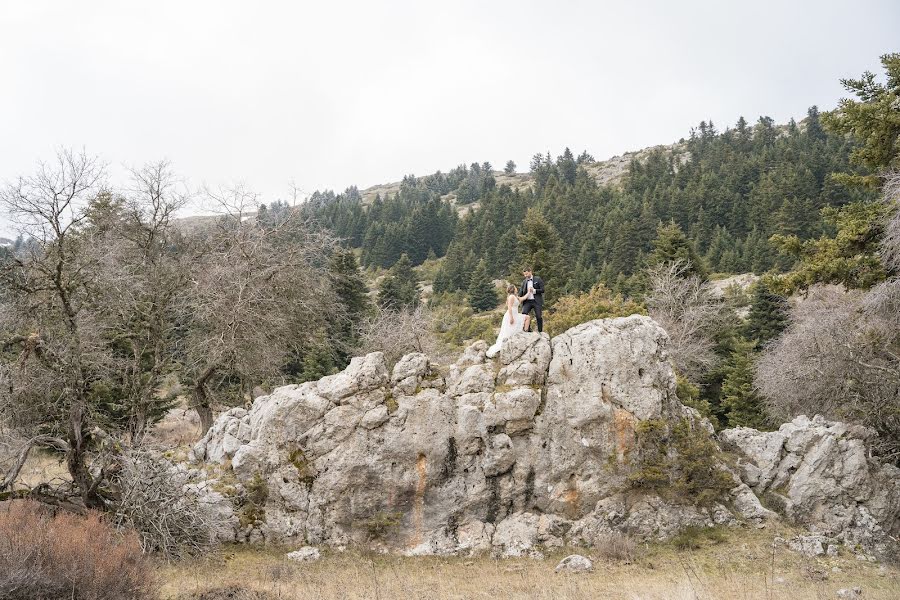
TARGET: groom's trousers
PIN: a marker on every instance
(531, 305)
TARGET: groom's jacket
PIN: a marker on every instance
(538, 284)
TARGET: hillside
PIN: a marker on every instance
(726, 192)
(610, 171)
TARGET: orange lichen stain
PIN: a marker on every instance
(572, 497)
(419, 500)
(623, 429)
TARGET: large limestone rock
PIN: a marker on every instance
(818, 474)
(531, 449)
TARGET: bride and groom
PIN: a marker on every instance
(531, 296)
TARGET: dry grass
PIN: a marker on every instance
(740, 567)
(42, 466)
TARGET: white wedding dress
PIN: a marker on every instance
(508, 329)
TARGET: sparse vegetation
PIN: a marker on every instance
(743, 566)
(679, 461)
(252, 504)
(381, 523)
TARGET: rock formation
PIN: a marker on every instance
(538, 447)
(818, 474)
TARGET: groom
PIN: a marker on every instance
(533, 290)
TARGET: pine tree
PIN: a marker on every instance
(348, 283)
(541, 248)
(400, 288)
(317, 363)
(743, 404)
(482, 294)
(672, 245)
(510, 168)
(768, 314)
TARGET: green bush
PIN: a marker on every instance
(599, 303)
(679, 462)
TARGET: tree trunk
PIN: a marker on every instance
(204, 411)
(201, 400)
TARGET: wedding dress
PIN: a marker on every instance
(508, 329)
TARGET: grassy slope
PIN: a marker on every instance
(740, 567)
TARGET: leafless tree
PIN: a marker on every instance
(49, 292)
(838, 358)
(255, 292)
(890, 246)
(144, 270)
(398, 332)
(685, 307)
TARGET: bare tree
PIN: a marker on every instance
(398, 332)
(255, 291)
(153, 498)
(144, 270)
(50, 291)
(838, 358)
(685, 307)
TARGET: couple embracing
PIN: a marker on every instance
(531, 297)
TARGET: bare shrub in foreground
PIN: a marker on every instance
(616, 547)
(47, 557)
(685, 307)
(153, 502)
(398, 332)
(839, 358)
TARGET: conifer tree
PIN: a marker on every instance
(482, 294)
(348, 283)
(317, 363)
(672, 245)
(744, 406)
(400, 288)
(541, 248)
(768, 314)
(510, 168)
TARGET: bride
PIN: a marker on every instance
(513, 321)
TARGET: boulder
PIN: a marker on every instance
(575, 563)
(529, 450)
(818, 474)
(304, 554)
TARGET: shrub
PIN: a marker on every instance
(693, 538)
(153, 502)
(679, 462)
(599, 303)
(381, 523)
(616, 547)
(253, 503)
(47, 557)
(465, 328)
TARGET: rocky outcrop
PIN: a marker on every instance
(819, 474)
(536, 448)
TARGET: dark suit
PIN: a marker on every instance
(534, 305)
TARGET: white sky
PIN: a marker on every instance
(330, 94)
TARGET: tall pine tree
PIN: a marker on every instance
(400, 288)
(482, 294)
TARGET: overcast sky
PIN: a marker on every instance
(331, 93)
